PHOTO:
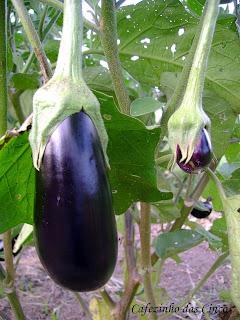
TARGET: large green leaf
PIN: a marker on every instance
(16, 183)
(155, 37)
(171, 243)
(131, 151)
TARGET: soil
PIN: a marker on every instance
(43, 299)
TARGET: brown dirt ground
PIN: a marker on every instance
(42, 298)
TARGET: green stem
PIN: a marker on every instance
(69, 63)
(145, 240)
(133, 278)
(8, 257)
(3, 67)
(33, 38)
(107, 299)
(8, 282)
(198, 70)
(42, 21)
(194, 58)
(108, 28)
(59, 5)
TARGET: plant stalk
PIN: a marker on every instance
(33, 38)
(3, 67)
(122, 306)
(145, 240)
(194, 59)
(198, 70)
(107, 298)
(69, 62)
(108, 34)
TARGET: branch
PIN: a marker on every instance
(108, 34)
(107, 298)
(133, 282)
(8, 281)
(145, 239)
(33, 38)
(3, 64)
(8, 257)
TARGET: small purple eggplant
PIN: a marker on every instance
(201, 156)
(203, 209)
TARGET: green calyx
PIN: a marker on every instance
(66, 93)
(53, 103)
(184, 129)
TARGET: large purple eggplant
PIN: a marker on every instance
(75, 227)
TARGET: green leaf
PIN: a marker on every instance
(171, 243)
(151, 31)
(16, 183)
(144, 105)
(131, 151)
(24, 81)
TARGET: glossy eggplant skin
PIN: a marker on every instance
(200, 214)
(75, 228)
(201, 157)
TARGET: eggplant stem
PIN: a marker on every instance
(122, 306)
(108, 34)
(145, 240)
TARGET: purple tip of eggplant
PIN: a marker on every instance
(201, 157)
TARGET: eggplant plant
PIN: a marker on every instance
(116, 129)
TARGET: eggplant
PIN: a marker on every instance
(202, 211)
(201, 157)
(74, 224)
